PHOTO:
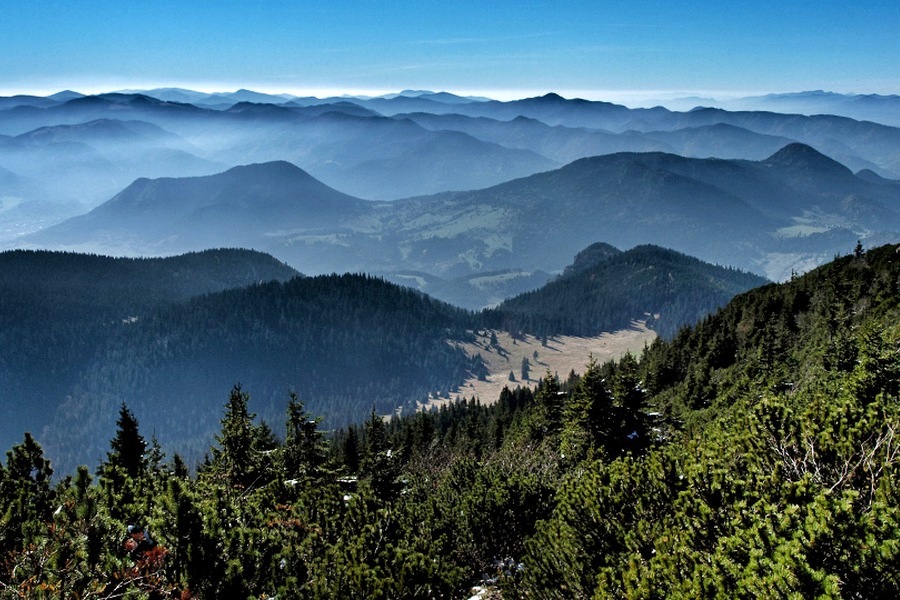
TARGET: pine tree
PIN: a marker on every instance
(128, 446)
(304, 446)
(25, 493)
(379, 464)
(235, 457)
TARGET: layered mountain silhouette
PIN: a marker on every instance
(80, 150)
(864, 107)
(245, 204)
(792, 210)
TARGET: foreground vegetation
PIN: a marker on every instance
(755, 454)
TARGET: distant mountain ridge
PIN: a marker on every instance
(771, 216)
(412, 143)
(880, 108)
(244, 204)
(72, 152)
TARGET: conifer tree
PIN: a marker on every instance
(25, 492)
(630, 399)
(350, 450)
(128, 446)
(586, 416)
(379, 464)
(304, 445)
(547, 414)
(122, 475)
(234, 458)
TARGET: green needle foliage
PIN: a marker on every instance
(755, 454)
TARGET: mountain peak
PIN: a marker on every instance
(275, 168)
(65, 96)
(797, 156)
(590, 257)
(191, 213)
(552, 97)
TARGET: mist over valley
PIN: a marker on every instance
(483, 329)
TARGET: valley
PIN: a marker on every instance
(423, 300)
(399, 346)
(442, 186)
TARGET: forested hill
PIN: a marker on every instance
(605, 290)
(101, 287)
(84, 333)
(776, 470)
(785, 336)
(58, 309)
(754, 455)
(349, 344)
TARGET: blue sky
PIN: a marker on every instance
(499, 48)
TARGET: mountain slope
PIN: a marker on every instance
(775, 464)
(347, 344)
(784, 214)
(84, 164)
(441, 161)
(57, 309)
(238, 207)
(374, 157)
(605, 290)
(797, 205)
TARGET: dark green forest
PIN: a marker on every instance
(751, 455)
(57, 309)
(81, 334)
(350, 343)
(606, 289)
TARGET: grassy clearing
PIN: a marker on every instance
(561, 355)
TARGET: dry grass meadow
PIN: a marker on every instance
(561, 355)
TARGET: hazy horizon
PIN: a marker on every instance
(631, 98)
(624, 53)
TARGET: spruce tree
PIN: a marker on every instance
(235, 458)
(379, 464)
(25, 493)
(128, 446)
(350, 450)
(546, 417)
(630, 398)
(304, 445)
(124, 479)
(587, 416)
